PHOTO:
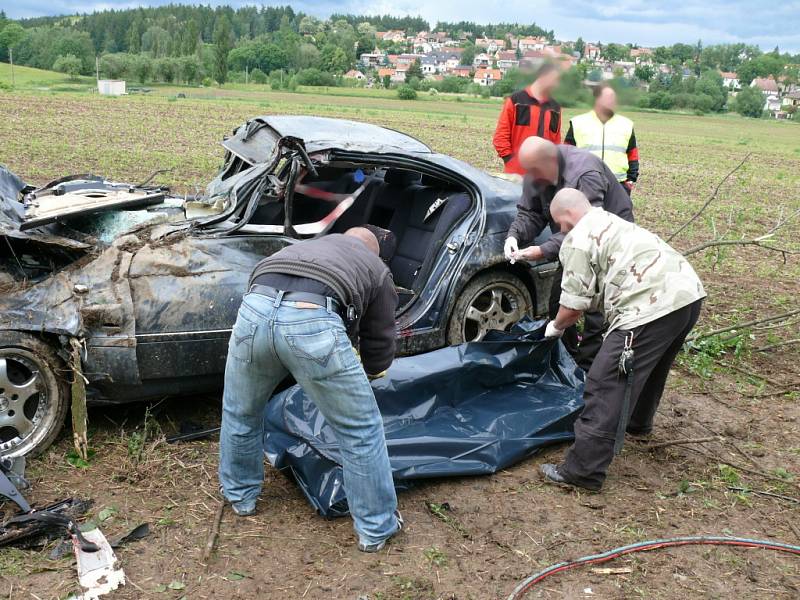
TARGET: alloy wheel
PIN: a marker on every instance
(26, 411)
(496, 306)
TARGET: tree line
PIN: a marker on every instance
(277, 45)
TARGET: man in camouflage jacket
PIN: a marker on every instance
(650, 297)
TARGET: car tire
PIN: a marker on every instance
(34, 394)
(492, 300)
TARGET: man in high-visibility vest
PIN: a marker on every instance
(607, 135)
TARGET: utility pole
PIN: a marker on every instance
(97, 67)
(11, 59)
(246, 74)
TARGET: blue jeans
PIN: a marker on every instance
(271, 339)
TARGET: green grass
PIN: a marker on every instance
(30, 78)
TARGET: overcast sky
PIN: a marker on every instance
(644, 22)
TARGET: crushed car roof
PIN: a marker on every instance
(255, 140)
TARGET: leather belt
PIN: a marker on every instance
(311, 298)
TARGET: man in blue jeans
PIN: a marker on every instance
(306, 306)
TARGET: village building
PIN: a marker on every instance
(642, 55)
(730, 80)
(507, 60)
(490, 45)
(531, 43)
(372, 59)
(355, 74)
(592, 51)
(487, 77)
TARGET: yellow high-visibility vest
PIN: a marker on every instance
(608, 141)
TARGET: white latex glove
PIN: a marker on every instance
(551, 331)
(511, 246)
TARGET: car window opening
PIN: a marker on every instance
(418, 208)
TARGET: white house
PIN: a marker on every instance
(487, 77)
(730, 80)
(482, 60)
(531, 43)
(372, 59)
(354, 74)
(507, 60)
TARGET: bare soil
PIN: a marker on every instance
(499, 529)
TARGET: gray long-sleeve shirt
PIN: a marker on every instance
(578, 169)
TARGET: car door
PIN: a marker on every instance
(186, 295)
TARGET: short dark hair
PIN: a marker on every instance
(545, 68)
(600, 88)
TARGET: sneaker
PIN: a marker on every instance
(551, 474)
(244, 509)
(240, 509)
(378, 546)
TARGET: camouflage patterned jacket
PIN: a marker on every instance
(625, 271)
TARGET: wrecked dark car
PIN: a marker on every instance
(134, 291)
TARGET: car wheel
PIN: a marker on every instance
(493, 300)
(33, 395)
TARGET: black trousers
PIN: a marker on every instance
(593, 328)
(655, 346)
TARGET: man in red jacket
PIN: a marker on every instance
(529, 112)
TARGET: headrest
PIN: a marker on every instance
(430, 181)
(386, 241)
(400, 177)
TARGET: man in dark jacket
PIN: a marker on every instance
(306, 307)
(550, 168)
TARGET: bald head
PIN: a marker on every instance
(539, 158)
(366, 236)
(568, 207)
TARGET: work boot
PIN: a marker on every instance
(378, 546)
(639, 432)
(551, 474)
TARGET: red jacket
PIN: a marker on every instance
(523, 116)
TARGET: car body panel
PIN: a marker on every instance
(153, 297)
(255, 140)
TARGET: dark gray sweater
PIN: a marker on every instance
(359, 278)
(578, 169)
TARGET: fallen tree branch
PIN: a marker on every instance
(758, 242)
(777, 345)
(745, 325)
(778, 325)
(760, 493)
(214, 533)
(702, 440)
(791, 388)
(794, 528)
(710, 200)
(750, 373)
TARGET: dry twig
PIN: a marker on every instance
(702, 440)
(710, 200)
(777, 345)
(760, 493)
(745, 325)
(214, 533)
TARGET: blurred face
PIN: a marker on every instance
(549, 81)
(544, 172)
(565, 219)
(606, 102)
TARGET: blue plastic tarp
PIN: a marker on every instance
(464, 410)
